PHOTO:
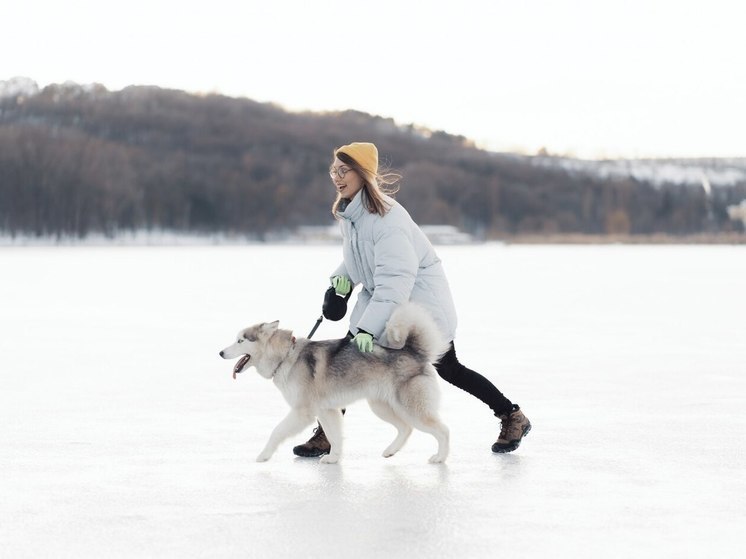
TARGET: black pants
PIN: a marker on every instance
(472, 382)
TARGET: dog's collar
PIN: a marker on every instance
(292, 347)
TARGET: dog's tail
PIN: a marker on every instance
(411, 326)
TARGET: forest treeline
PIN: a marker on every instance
(75, 161)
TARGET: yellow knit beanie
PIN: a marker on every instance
(366, 154)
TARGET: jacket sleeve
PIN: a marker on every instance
(396, 266)
(340, 271)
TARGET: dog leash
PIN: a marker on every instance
(313, 330)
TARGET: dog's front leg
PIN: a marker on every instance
(293, 424)
(331, 422)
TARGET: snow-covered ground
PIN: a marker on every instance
(122, 433)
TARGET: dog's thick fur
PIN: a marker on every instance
(318, 379)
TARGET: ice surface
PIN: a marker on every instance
(122, 433)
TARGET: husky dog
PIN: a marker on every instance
(318, 379)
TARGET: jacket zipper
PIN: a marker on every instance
(356, 252)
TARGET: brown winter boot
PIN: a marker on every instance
(515, 426)
(317, 445)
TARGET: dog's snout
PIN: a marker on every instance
(221, 355)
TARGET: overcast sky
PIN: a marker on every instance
(601, 78)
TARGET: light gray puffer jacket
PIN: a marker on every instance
(394, 261)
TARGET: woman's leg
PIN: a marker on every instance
(472, 382)
(515, 425)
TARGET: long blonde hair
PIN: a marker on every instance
(375, 186)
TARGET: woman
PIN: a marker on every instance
(386, 252)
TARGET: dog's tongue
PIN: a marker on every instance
(240, 365)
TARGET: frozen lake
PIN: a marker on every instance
(122, 433)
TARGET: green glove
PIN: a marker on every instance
(364, 342)
(341, 285)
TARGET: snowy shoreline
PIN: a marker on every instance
(145, 238)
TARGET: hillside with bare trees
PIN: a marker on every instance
(75, 161)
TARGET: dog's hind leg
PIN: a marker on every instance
(293, 424)
(418, 405)
(437, 429)
(385, 411)
(331, 422)
(430, 423)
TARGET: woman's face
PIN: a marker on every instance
(346, 180)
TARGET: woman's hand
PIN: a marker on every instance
(341, 284)
(364, 342)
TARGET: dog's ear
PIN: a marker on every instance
(270, 326)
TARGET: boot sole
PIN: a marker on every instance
(303, 453)
(510, 447)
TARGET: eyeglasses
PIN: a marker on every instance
(339, 172)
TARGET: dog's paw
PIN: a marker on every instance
(437, 459)
(388, 453)
(263, 457)
(329, 459)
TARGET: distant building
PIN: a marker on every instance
(738, 212)
(438, 234)
(317, 234)
(446, 235)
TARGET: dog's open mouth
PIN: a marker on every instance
(241, 364)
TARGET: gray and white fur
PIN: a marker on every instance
(319, 378)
